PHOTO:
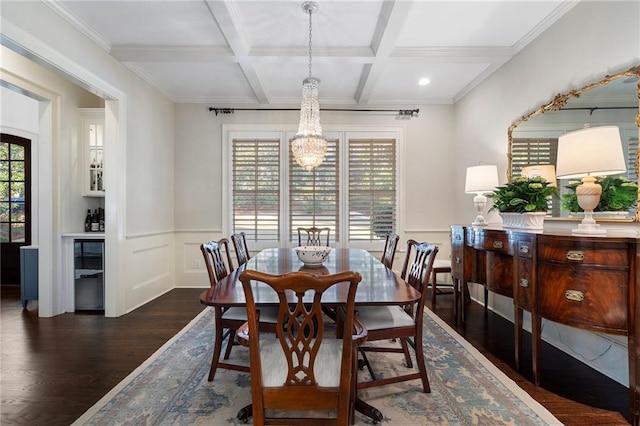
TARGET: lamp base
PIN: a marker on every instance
(589, 229)
(480, 201)
(588, 194)
(479, 222)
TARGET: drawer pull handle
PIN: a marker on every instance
(575, 255)
(458, 237)
(524, 249)
(575, 295)
(497, 244)
(524, 282)
(458, 260)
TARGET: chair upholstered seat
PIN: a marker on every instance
(383, 317)
(442, 263)
(326, 368)
(239, 313)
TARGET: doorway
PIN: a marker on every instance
(15, 204)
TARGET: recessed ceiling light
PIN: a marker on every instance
(424, 81)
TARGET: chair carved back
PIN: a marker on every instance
(417, 268)
(300, 334)
(241, 248)
(313, 236)
(214, 260)
(389, 252)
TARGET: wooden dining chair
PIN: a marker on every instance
(240, 246)
(443, 266)
(402, 323)
(227, 319)
(303, 369)
(389, 252)
(313, 236)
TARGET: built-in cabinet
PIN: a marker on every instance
(92, 140)
(591, 283)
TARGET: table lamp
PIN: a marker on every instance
(545, 171)
(480, 180)
(586, 153)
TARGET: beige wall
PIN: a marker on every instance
(427, 175)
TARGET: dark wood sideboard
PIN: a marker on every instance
(589, 283)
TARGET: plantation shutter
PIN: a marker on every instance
(632, 164)
(314, 195)
(372, 188)
(531, 151)
(256, 188)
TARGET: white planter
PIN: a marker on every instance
(533, 220)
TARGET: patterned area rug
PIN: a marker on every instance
(171, 387)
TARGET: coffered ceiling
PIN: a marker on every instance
(365, 52)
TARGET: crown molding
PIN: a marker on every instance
(61, 10)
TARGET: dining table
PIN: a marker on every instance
(379, 286)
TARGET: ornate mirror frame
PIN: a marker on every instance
(562, 98)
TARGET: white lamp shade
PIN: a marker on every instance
(592, 150)
(546, 171)
(481, 179)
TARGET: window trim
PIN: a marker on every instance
(284, 132)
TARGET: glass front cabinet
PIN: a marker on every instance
(92, 139)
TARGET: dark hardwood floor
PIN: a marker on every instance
(54, 369)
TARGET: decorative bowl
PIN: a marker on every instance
(313, 255)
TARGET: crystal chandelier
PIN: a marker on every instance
(308, 145)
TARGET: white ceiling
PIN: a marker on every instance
(365, 52)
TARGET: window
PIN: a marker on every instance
(530, 151)
(354, 191)
(314, 196)
(256, 188)
(372, 188)
(14, 190)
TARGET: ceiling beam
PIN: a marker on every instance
(390, 22)
(225, 15)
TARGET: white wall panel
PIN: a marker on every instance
(149, 268)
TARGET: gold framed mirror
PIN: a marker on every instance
(614, 100)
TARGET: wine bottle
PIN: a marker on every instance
(95, 224)
(87, 222)
(101, 220)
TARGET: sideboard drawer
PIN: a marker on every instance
(497, 241)
(584, 297)
(597, 252)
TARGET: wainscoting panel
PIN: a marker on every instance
(190, 269)
(149, 268)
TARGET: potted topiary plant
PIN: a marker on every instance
(619, 195)
(523, 202)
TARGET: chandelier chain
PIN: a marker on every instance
(310, 13)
